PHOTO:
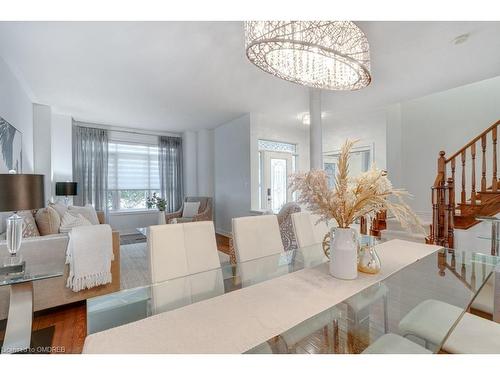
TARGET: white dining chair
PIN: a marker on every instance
(484, 300)
(176, 251)
(310, 231)
(431, 320)
(391, 343)
(258, 237)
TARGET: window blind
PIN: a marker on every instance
(133, 166)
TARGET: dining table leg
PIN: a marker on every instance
(496, 294)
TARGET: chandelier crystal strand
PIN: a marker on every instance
(332, 55)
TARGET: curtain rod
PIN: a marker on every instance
(125, 130)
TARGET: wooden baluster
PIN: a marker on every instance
(473, 177)
(453, 165)
(494, 179)
(462, 196)
(453, 169)
(451, 212)
(483, 162)
(441, 166)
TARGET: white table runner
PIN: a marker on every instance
(240, 320)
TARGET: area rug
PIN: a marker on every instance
(134, 270)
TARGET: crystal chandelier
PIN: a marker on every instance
(332, 55)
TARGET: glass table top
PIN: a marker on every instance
(29, 270)
(454, 277)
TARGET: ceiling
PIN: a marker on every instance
(175, 76)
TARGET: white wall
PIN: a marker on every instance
(190, 158)
(16, 108)
(62, 148)
(394, 145)
(205, 163)
(42, 124)
(369, 128)
(232, 172)
(442, 121)
(274, 129)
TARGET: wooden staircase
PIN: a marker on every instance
(458, 208)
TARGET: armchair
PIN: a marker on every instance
(204, 211)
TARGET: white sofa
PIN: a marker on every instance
(52, 292)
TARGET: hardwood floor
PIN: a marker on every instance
(222, 243)
(70, 323)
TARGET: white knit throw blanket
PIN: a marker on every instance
(89, 255)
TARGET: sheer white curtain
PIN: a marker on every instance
(90, 165)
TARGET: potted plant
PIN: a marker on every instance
(160, 203)
(351, 198)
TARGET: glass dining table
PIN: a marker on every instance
(350, 326)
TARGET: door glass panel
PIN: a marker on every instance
(278, 183)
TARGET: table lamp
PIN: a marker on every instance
(66, 189)
(19, 192)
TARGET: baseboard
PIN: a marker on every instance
(224, 233)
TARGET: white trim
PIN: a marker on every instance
(126, 129)
(224, 233)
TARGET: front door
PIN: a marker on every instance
(276, 167)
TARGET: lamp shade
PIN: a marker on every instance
(21, 192)
(66, 188)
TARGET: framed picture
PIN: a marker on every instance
(10, 148)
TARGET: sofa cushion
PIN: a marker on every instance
(71, 220)
(190, 209)
(30, 229)
(48, 221)
(60, 208)
(88, 212)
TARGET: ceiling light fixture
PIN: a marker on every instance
(305, 118)
(332, 55)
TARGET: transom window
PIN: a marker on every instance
(133, 174)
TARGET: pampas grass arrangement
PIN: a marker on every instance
(352, 197)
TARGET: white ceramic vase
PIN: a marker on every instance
(344, 253)
(161, 218)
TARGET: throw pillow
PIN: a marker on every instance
(71, 220)
(29, 229)
(88, 212)
(60, 208)
(48, 221)
(190, 209)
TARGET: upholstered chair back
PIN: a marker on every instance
(286, 227)
(308, 231)
(256, 237)
(204, 201)
(177, 250)
(184, 264)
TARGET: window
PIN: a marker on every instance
(133, 174)
(276, 162)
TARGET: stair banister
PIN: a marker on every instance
(443, 189)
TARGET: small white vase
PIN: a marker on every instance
(161, 218)
(344, 253)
